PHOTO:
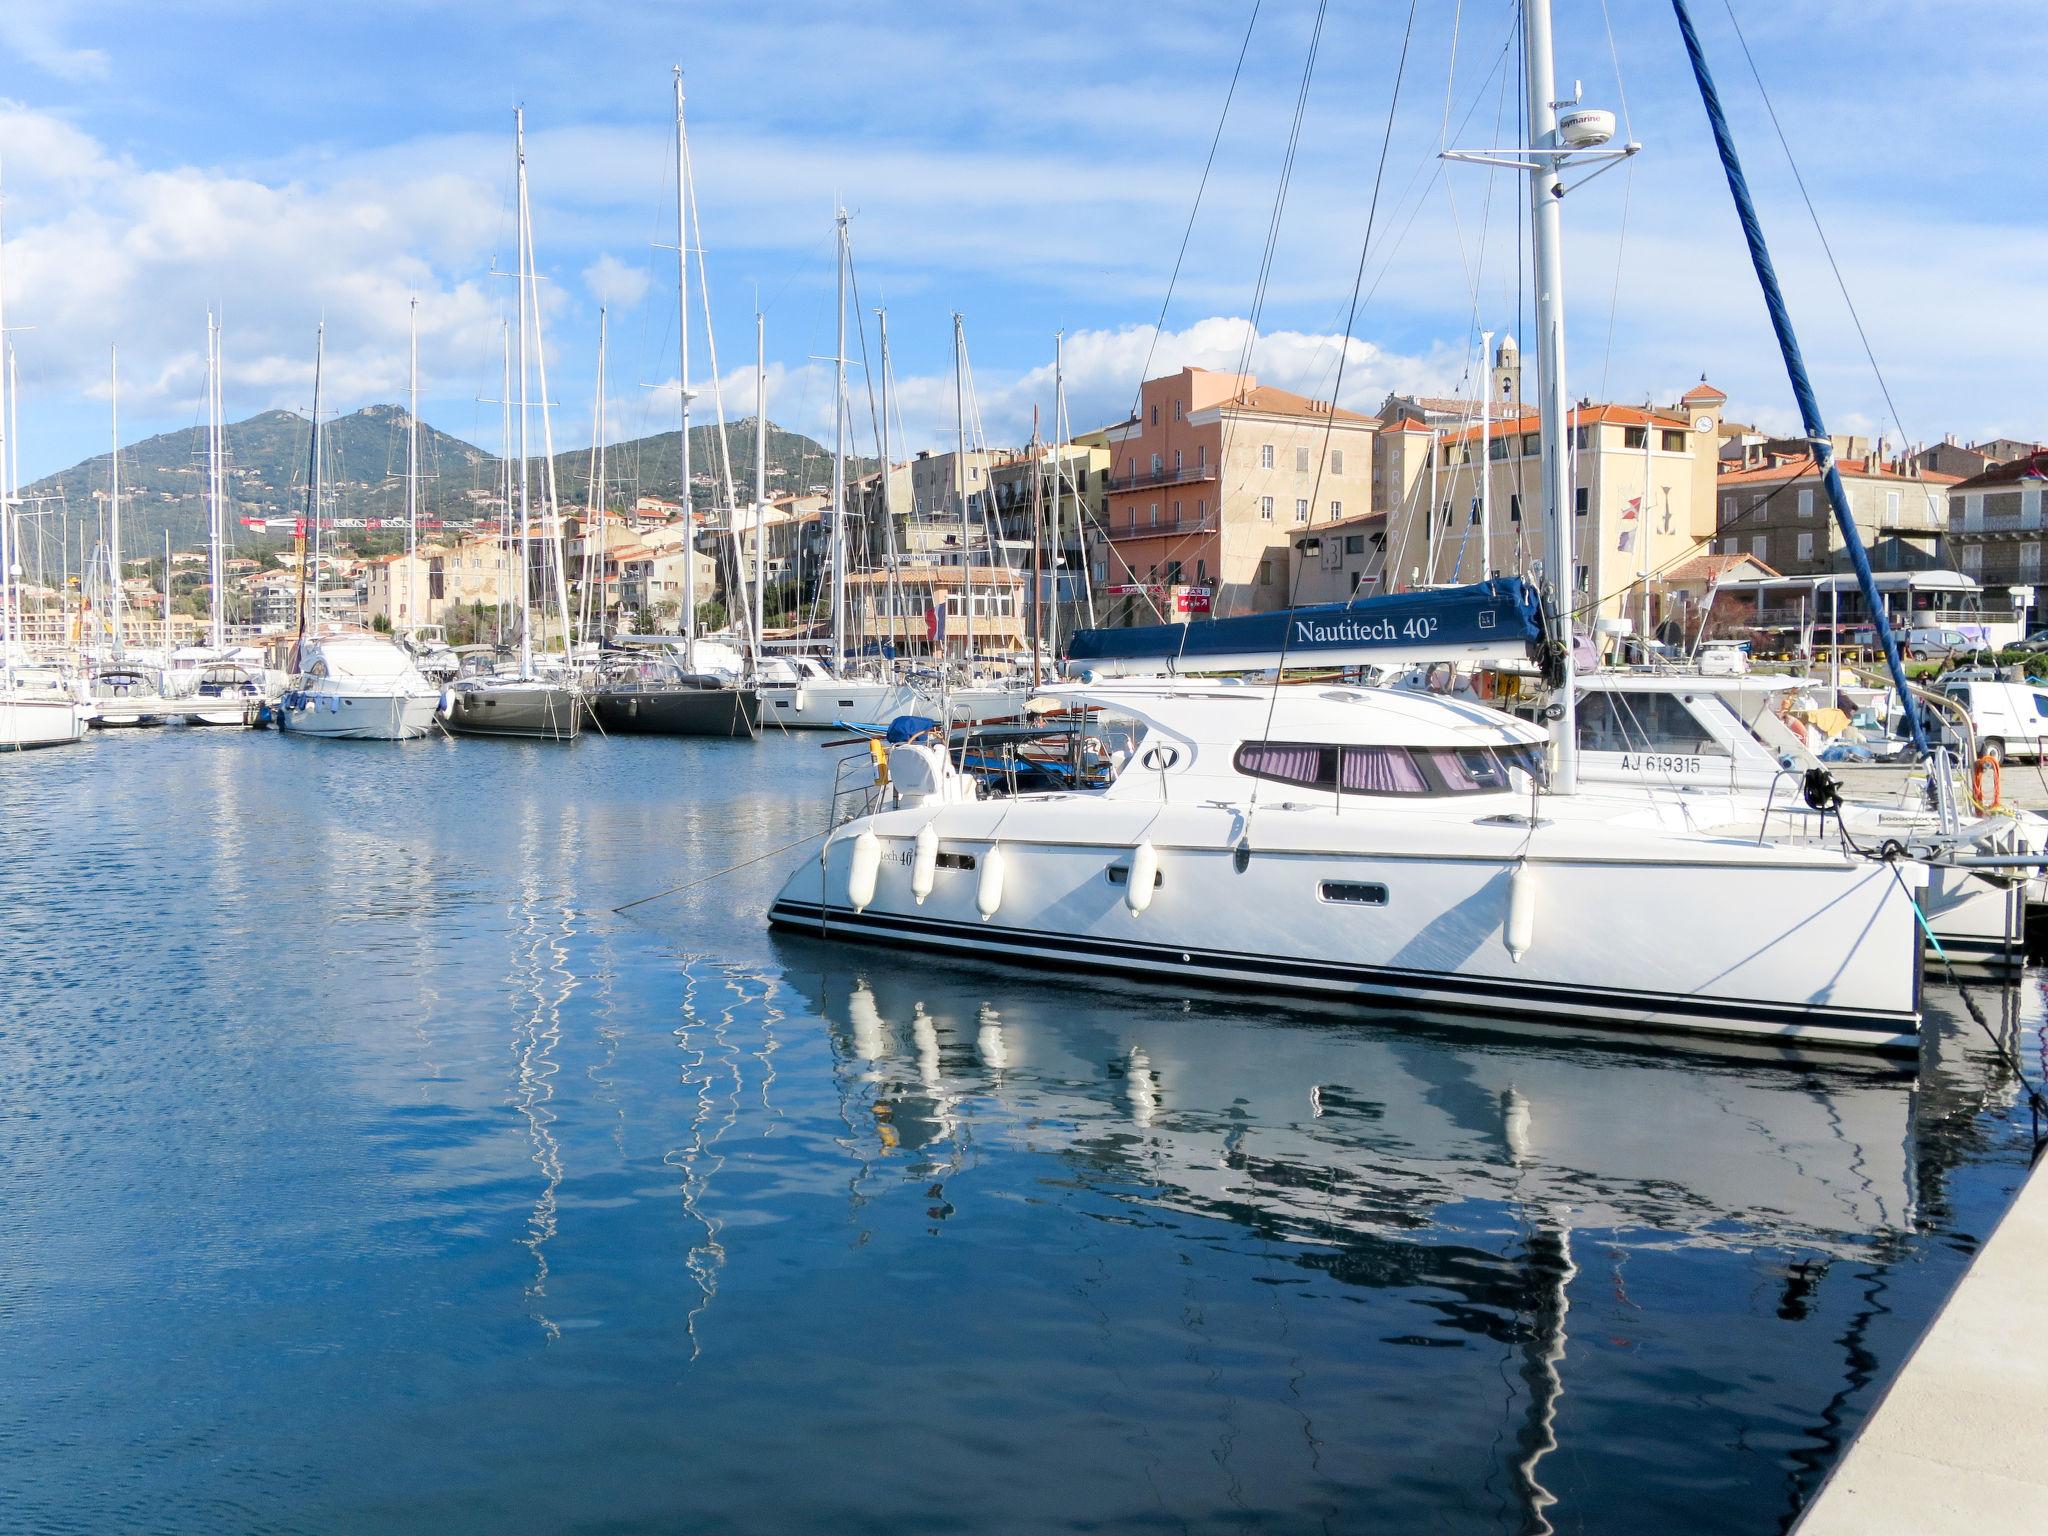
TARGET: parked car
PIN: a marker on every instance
(2037, 641)
(2009, 719)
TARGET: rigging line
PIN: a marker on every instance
(1628, 187)
(1350, 320)
(1813, 213)
(1208, 164)
(1265, 276)
(1620, 91)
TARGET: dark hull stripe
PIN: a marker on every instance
(1606, 1008)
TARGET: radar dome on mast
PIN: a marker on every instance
(1586, 128)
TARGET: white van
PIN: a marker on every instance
(2010, 719)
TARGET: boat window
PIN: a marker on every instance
(1289, 763)
(1382, 771)
(1114, 735)
(1469, 771)
(955, 861)
(1388, 770)
(1531, 760)
(1643, 722)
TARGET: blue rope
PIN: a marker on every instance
(1795, 366)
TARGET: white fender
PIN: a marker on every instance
(861, 870)
(1144, 870)
(988, 896)
(1519, 931)
(924, 863)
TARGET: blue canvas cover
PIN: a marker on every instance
(1495, 620)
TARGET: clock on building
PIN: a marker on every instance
(1703, 423)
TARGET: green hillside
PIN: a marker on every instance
(163, 478)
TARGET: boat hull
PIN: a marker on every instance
(29, 723)
(1621, 945)
(533, 712)
(677, 711)
(358, 717)
(814, 706)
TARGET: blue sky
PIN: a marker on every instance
(1030, 166)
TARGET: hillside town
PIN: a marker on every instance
(1220, 496)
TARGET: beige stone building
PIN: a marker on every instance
(1642, 501)
(1210, 482)
(423, 588)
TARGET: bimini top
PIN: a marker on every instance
(1493, 620)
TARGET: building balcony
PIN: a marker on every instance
(1145, 480)
(1172, 528)
(1999, 526)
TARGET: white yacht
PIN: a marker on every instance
(1714, 745)
(801, 693)
(357, 686)
(32, 717)
(1391, 847)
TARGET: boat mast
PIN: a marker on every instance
(683, 383)
(216, 467)
(960, 488)
(1643, 534)
(839, 459)
(1061, 466)
(1546, 192)
(894, 586)
(760, 486)
(593, 498)
(1795, 369)
(550, 500)
(1037, 550)
(309, 530)
(114, 495)
(167, 593)
(412, 469)
(504, 478)
(1485, 458)
(525, 510)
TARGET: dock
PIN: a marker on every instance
(1960, 1442)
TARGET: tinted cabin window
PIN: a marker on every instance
(1643, 722)
(1387, 770)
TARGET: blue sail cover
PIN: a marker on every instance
(1491, 620)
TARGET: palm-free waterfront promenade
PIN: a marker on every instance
(1960, 1443)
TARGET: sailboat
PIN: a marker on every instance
(126, 689)
(229, 683)
(1399, 850)
(347, 683)
(683, 692)
(525, 704)
(30, 715)
(813, 693)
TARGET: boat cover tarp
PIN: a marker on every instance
(1496, 620)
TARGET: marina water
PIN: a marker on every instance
(361, 1169)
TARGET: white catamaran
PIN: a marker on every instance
(1404, 850)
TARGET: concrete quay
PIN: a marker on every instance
(1960, 1442)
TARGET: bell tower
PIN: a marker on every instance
(1507, 377)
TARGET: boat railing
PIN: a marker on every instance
(857, 785)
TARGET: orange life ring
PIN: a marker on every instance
(1977, 782)
(1483, 685)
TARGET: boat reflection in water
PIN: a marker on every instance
(1490, 1183)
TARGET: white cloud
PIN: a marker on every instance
(611, 281)
(31, 29)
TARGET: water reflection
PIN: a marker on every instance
(1470, 1173)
